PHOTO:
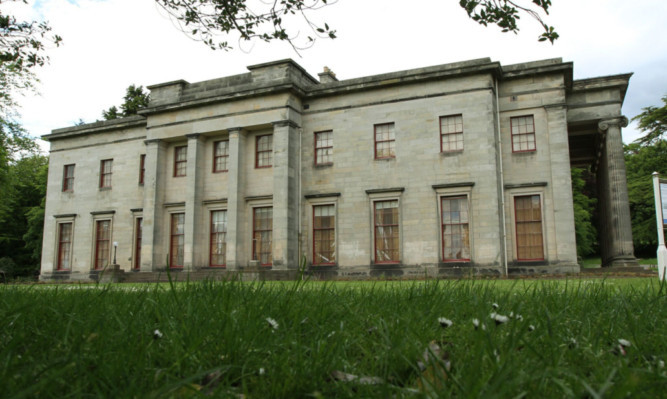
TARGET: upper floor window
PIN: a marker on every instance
(220, 156)
(451, 133)
(264, 151)
(385, 141)
(523, 133)
(142, 168)
(68, 178)
(105, 173)
(180, 160)
(324, 148)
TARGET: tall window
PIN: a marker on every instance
(177, 240)
(324, 148)
(142, 168)
(64, 246)
(324, 235)
(451, 133)
(105, 173)
(523, 133)
(386, 232)
(455, 229)
(528, 213)
(138, 232)
(180, 160)
(102, 243)
(262, 235)
(218, 238)
(264, 151)
(220, 156)
(68, 178)
(385, 141)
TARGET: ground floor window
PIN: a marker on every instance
(218, 252)
(177, 238)
(102, 243)
(262, 235)
(324, 235)
(386, 232)
(138, 231)
(455, 229)
(64, 246)
(528, 215)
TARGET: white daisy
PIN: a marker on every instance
(157, 334)
(444, 323)
(272, 323)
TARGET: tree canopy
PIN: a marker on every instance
(135, 99)
(213, 21)
(653, 122)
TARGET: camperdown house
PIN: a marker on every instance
(454, 169)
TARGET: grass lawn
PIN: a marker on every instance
(555, 339)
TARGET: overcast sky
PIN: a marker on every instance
(110, 44)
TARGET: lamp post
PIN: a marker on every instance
(660, 219)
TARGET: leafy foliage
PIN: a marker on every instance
(640, 162)
(204, 20)
(135, 99)
(506, 13)
(22, 42)
(653, 122)
(584, 207)
(207, 20)
(22, 211)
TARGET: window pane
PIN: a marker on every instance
(528, 214)
(455, 239)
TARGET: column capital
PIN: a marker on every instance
(152, 141)
(284, 123)
(193, 135)
(620, 122)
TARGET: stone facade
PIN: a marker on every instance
(236, 173)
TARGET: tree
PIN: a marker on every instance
(641, 160)
(25, 190)
(207, 20)
(653, 122)
(135, 99)
(584, 207)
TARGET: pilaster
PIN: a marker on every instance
(194, 232)
(616, 228)
(236, 200)
(152, 250)
(285, 194)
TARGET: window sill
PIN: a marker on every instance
(221, 171)
(524, 152)
(323, 165)
(450, 153)
(385, 159)
(105, 188)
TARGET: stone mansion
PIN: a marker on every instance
(452, 169)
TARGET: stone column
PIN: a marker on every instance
(616, 229)
(285, 192)
(236, 257)
(194, 232)
(152, 248)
